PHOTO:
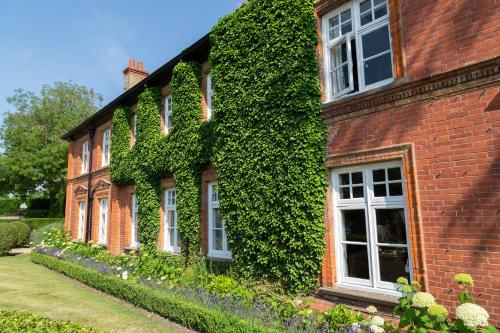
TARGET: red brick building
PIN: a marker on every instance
(411, 97)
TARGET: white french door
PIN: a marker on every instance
(371, 233)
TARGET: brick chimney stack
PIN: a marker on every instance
(134, 74)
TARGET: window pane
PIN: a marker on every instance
(380, 11)
(394, 173)
(395, 189)
(344, 179)
(339, 54)
(379, 190)
(357, 177)
(354, 225)
(171, 237)
(378, 175)
(393, 263)
(218, 240)
(335, 32)
(217, 219)
(357, 192)
(357, 261)
(340, 79)
(378, 2)
(391, 226)
(346, 27)
(378, 69)
(345, 15)
(344, 193)
(376, 42)
(365, 5)
(366, 18)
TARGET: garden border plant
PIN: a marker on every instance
(174, 308)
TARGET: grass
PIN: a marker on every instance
(26, 286)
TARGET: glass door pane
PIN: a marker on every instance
(355, 244)
(392, 248)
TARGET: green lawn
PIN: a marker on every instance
(30, 287)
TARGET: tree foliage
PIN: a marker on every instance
(35, 156)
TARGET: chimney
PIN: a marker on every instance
(134, 75)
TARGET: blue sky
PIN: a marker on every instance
(90, 41)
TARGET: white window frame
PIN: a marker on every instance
(212, 205)
(106, 147)
(209, 96)
(82, 214)
(103, 220)
(85, 157)
(369, 203)
(170, 206)
(357, 32)
(134, 127)
(134, 227)
(168, 113)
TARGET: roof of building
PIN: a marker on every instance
(198, 51)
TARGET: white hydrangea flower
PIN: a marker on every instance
(376, 329)
(472, 315)
(125, 275)
(377, 321)
(423, 300)
(371, 309)
(118, 268)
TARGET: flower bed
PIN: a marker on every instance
(196, 298)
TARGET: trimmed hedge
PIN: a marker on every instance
(9, 205)
(15, 322)
(195, 316)
(270, 140)
(13, 234)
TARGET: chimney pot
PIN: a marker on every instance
(132, 74)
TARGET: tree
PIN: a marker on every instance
(35, 156)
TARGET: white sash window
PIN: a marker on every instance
(103, 221)
(172, 240)
(106, 147)
(209, 96)
(85, 157)
(357, 47)
(81, 220)
(168, 114)
(217, 238)
(134, 228)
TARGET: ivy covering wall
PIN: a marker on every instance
(266, 140)
(155, 155)
(270, 140)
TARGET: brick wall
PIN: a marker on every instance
(455, 141)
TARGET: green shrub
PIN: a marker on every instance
(9, 205)
(37, 235)
(16, 322)
(38, 207)
(175, 308)
(7, 238)
(21, 232)
(226, 286)
(340, 316)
